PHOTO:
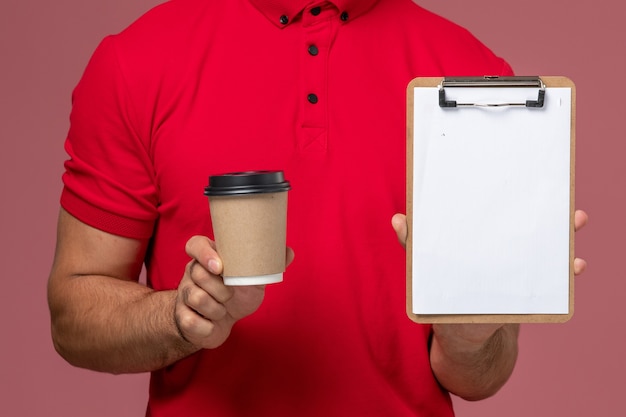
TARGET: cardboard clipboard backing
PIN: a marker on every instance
(484, 316)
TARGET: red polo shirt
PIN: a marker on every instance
(317, 89)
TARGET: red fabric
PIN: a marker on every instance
(200, 87)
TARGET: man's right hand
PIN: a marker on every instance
(206, 309)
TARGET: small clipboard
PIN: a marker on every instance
(490, 199)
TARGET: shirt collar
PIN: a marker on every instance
(282, 12)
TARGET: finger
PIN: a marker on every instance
(579, 266)
(202, 249)
(210, 284)
(398, 222)
(192, 326)
(203, 303)
(290, 255)
(580, 219)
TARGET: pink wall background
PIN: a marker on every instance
(574, 369)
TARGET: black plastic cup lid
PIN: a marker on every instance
(249, 182)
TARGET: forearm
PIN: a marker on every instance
(115, 326)
(469, 367)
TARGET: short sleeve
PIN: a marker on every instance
(109, 180)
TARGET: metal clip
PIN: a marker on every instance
(492, 81)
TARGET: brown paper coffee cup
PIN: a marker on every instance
(249, 217)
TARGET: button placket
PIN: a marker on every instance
(319, 30)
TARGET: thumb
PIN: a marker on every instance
(398, 222)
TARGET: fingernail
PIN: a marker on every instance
(214, 267)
